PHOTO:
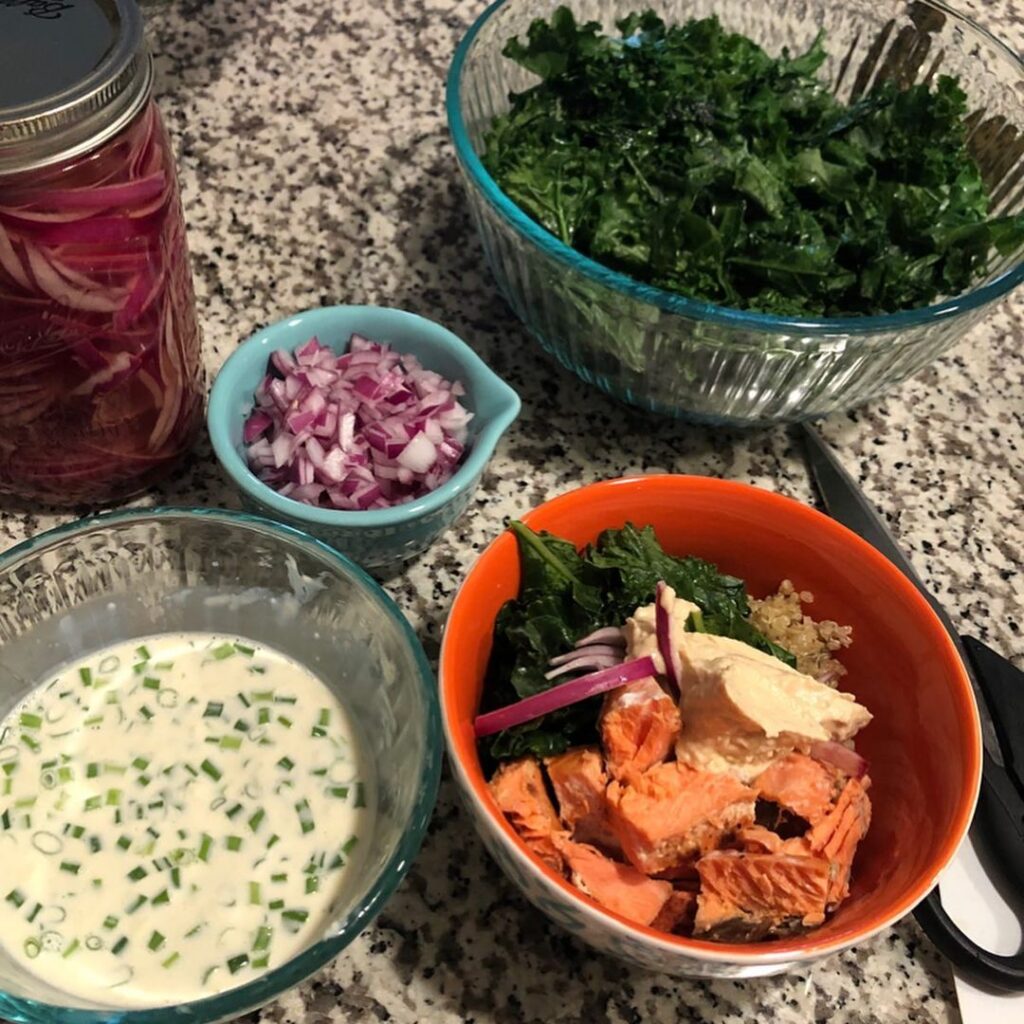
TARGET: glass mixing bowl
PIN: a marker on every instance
(671, 354)
(115, 577)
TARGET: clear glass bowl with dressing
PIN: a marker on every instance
(102, 581)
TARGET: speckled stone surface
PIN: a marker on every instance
(316, 168)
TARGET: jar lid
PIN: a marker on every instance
(72, 74)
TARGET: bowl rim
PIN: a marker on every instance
(478, 377)
(812, 329)
(778, 952)
(267, 987)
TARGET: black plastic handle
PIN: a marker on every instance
(1005, 973)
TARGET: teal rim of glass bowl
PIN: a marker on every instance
(696, 309)
(484, 381)
(276, 982)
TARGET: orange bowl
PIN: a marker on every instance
(924, 743)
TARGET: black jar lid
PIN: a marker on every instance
(72, 74)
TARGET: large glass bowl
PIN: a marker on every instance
(112, 578)
(671, 354)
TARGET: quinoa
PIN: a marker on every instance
(780, 617)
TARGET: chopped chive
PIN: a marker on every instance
(241, 725)
(233, 843)
(145, 712)
(143, 652)
(93, 803)
(286, 763)
(73, 947)
(281, 876)
(162, 897)
(275, 904)
(257, 670)
(360, 795)
(257, 819)
(156, 941)
(312, 883)
(65, 774)
(16, 897)
(150, 683)
(85, 674)
(305, 814)
(70, 867)
(349, 844)
(255, 894)
(299, 916)
(245, 649)
(285, 700)
(223, 651)
(211, 769)
(137, 874)
(245, 700)
(118, 947)
(136, 903)
(263, 716)
(317, 732)
(142, 763)
(95, 844)
(262, 940)
(285, 721)
(273, 841)
(124, 842)
(236, 963)
(214, 709)
(170, 961)
(92, 769)
(32, 744)
(34, 913)
(204, 847)
(30, 721)
(114, 797)
(235, 811)
(339, 791)
(143, 781)
(110, 922)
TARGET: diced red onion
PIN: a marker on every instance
(846, 760)
(562, 696)
(370, 428)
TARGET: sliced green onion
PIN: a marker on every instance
(245, 649)
(118, 947)
(262, 940)
(170, 961)
(214, 709)
(156, 941)
(143, 652)
(85, 674)
(211, 769)
(70, 866)
(257, 819)
(29, 721)
(204, 847)
(255, 894)
(236, 963)
(110, 922)
(137, 874)
(233, 843)
(360, 795)
(151, 683)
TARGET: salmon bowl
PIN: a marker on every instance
(918, 732)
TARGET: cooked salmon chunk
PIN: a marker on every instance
(673, 813)
(518, 788)
(754, 895)
(677, 913)
(801, 785)
(639, 726)
(614, 885)
(579, 781)
(836, 836)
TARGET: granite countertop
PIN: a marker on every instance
(316, 168)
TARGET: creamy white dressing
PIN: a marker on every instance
(178, 814)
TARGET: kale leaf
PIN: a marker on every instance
(689, 158)
(565, 594)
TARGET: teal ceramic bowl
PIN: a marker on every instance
(381, 538)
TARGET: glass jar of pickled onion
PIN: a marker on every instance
(101, 383)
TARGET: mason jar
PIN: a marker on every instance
(101, 383)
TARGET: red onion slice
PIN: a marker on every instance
(846, 760)
(562, 696)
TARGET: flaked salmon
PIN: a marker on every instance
(639, 726)
(754, 895)
(836, 836)
(518, 787)
(801, 785)
(619, 887)
(673, 813)
(579, 781)
(678, 912)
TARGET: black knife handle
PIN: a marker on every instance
(1005, 973)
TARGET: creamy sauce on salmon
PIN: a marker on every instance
(178, 814)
